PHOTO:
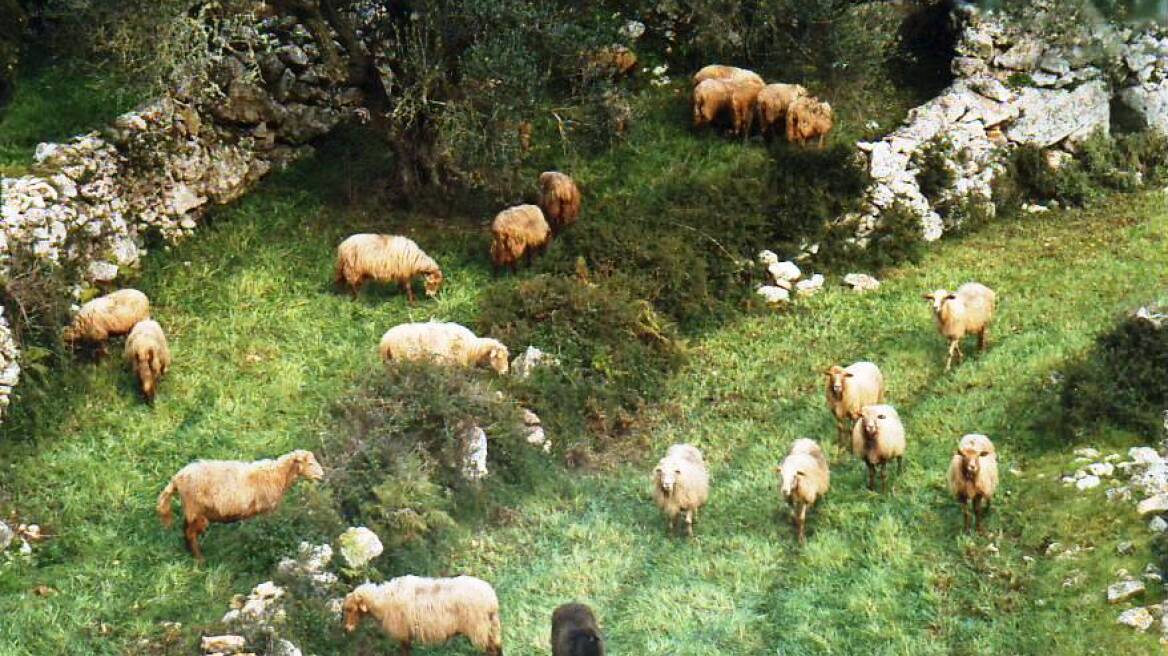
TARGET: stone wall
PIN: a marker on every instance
(1012, 88)
(90, 205)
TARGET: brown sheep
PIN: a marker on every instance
(973, 476)
(721, 72)
(429, 611)
(446, 343)
(518, 232)
(107, 316)
(742, 101)
(711, 98)
(850, 389)
(228, 490)
(612, 60)
(772, 103)
(877, 438)
(148, 355)
(681, 485)
(808, 119)
(575, 632)
(968, 310)
(559, 198)
(803, 477)
(386, 258)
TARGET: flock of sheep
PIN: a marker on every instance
(428, 611)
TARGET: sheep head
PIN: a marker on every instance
(836, 378)
(789, 477)
(305, 465)
(354, 608)
(666, 474)
(498, 357)
(938, 299)
(971, 450)
(433, 282)
(871, 416)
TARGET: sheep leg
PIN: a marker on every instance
(871, 475)
(409, 290)
(194, 528)
(883, 477)
(954, 347)
(964, 515)
(801, 523)
(404, 648)
(983, 341)
(979, 508)
(689, 519)
(899, 465)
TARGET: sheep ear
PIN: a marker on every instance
(882, 416)
(363, 607)
(927, 297)
(983, 454)
(951, 297)
(849, 375)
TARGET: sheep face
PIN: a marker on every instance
(307, 466)
(433, 283)
(353, 609)
(789, 478)
(871, 419)
(497, 357)
(837, 375)
(666, 475)
(971, 461)
(938, 299)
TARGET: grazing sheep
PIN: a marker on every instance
(385, 258)
(106, 316)
(559, 198)
(807, 119)
(973, 476)
(148, 355)
(681, 485)
(447, 343)
(429, 611)
(850, 389)
(803, 477)
(720, 72)
(742, 101)
(877, 438)
(772, 103)
(229, 490)
(711, 98)
(575, 632)
(968, 310)
(516, 232)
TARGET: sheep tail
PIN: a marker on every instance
(164, 511)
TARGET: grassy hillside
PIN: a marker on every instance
(265, 349)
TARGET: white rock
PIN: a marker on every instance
(1138, 618)
(767, 258)
(784, 271)
(1051, 115)
(282, 647)
(1158, 525)
(99, 271)
(358, 546)
(229, 644)
(1124, 590)
(810, 286)
(6, 536)
(1144, 455)
(529, 360)
(474, 464)
(1102, 469)
(773, 295)
(1122, 493)
(861, 282)
(1155, 504)
(1088, 453)
(267, 590)
(1087, 482)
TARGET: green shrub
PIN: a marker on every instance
(1121, 381)
(36, 298)
(809, 187)
(936, 175)
(395, 452)
(614, 350)
(897, 238)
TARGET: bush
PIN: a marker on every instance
(936, 175)
(897, 238)
(395, 451)
(614, 350)
(810, 187)
(1121, 381)
(36, 298)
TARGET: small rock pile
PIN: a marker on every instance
(783, 278)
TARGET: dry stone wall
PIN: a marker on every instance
(90, 204)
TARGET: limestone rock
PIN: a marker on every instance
(1138, 618)
(861, 282)
(1049, 116)
(810, 286)
(1155, 504)
(529, 360)
(225, 644)
(773, 295)
(358, 546)
(1124, 590)
(1147, 104)
(474, 445)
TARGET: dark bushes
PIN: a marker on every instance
(1122, 380)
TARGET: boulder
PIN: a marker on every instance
(1124, 590)
(224, 644)
(1153, 505)
(529, 360)
(6, 536)
(773, 295)
(358, 546)
(1049, 116)
(861, 282)
(1138, 618)
(474, 447)
(784, 271)
(1146, 106)
(810, 286)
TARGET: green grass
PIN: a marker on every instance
(264, 348)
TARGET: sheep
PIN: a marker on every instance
(575, 632)
(877, 438)
(559, 198)
(148, 355)
(106, 316)
(447, 343)
(385, 258)
(803, 477)
(772, 103)
(973, 476)
(711, 98)
(229, 490)
(681, 485)
(720, 72)
(809, 118)
(850, 389)
(518, 232)
(968, 310)
(429, 611)
(742, 101)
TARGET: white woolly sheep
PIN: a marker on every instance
(148, 354)
(772, 103)
(447, 343)
(106, 316)
(559, 198)
(681, 485)
(229, 490)
(877, 438)
(429, 611)
(721, 72)
(966, 311)
(973, 476)
(803, 477)
(518, 232)
(849, 390)
(385, 258)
